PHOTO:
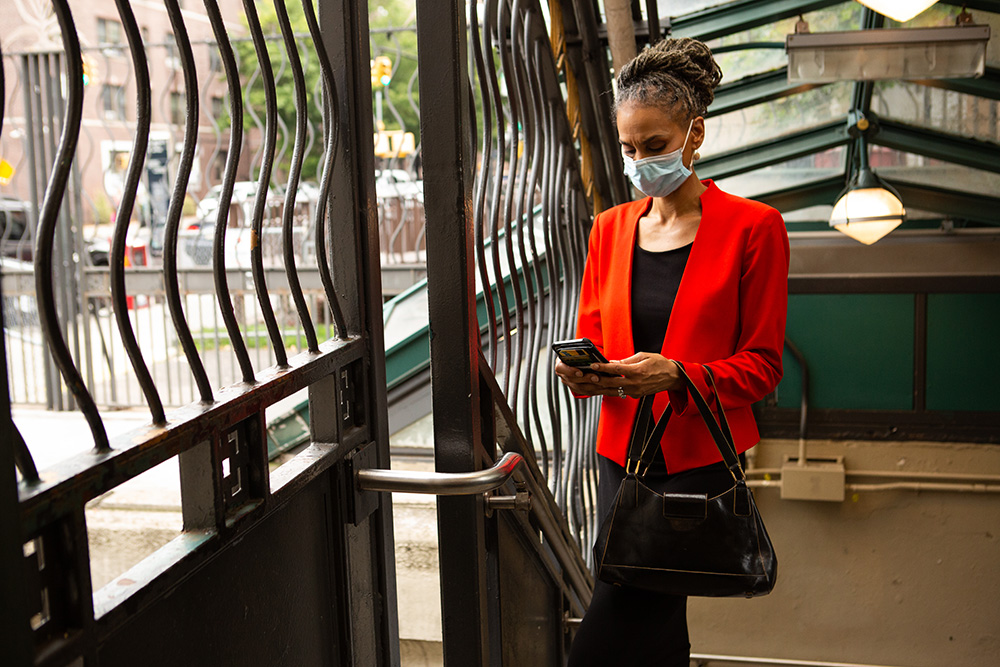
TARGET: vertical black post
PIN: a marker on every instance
(454, 341)
(18, 641)
(354, 260)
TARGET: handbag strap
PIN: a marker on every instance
(721, 433)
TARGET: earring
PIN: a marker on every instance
(696, 156)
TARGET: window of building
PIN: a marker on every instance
(172, 54)
(178, 108)
(214, 60)
(218, 108)
(109, 32)
(113, 102)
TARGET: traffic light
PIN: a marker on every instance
(381, 71)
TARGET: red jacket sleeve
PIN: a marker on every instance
(589, 314)
(754, 369)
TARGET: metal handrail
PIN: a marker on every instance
(440, 483)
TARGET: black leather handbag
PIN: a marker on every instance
(687, 544)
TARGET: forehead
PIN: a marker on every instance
(637, 122)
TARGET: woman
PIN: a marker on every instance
(690, 273)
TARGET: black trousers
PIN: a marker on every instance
(630, 626)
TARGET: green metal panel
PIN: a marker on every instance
(781, 149)
(859, 348)
(812, 193)
(940, 145)
(986, 86)
(963, 356)
(733, 17)
(755, 89)
(960, 205)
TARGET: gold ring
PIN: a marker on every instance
(621, 393)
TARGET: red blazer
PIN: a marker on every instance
(729, 314)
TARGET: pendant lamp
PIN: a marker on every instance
(868, 208)
(898, 10)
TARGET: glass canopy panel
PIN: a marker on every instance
(910, 168)
(739, 63)
(677, 8)
(773, 120)
(789, 174)
(939, 109)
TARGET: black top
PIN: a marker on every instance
(656, 276)
(655, 279)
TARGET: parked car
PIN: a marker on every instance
(392, 183)
(209, 205)
(15, 238)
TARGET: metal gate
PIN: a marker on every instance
(271, 567)
(294, 566)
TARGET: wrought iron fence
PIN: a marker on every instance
(273, 143)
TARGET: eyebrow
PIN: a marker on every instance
(655, 137)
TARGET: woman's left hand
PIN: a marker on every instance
(641, 374)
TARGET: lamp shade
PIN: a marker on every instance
(900, 53)
(898, 10)
(868, 209)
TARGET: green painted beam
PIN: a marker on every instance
(952, 148)
(987, 86)
(813, 193)
(781, 149)
(962, 205)
(755, 89)
(741, 15)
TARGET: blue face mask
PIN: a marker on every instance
(660, 175)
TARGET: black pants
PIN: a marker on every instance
(629, 626)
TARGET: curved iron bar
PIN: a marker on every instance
(259, 154)
(226, 196)
(332, 125)
(319, 101)
(170, 281)
(216, 128)
(416, 110)
(264, 184)
(535, 129)
(295, 170)
(166, 110)
(302, 46)
(480, 183)
(280, 157)
(551, 253)
(402, 223)
(499, 17)
(48, 218)
(406, 210)
(513, 374)
(116, 258)
(23, 460)
(496, 180)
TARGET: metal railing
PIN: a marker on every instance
(218, 439)
(125, 165)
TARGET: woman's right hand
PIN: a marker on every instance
(580, 382)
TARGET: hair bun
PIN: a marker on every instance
(683, 63)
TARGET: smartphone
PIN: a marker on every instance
(581, 353)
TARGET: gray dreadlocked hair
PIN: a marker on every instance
(677, 75)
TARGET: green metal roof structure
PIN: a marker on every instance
(791, 145)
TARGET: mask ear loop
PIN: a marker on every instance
(684, 145)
